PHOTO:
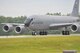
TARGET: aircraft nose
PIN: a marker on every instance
(28, 21)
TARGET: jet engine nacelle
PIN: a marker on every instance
(75, 28)
(19, 29)
(7, 28)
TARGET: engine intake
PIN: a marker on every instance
(75, 28)
(7, 28)
(19, 29)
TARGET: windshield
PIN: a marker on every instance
(28, 21)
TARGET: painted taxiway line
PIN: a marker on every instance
(25, 36)
(30, 36)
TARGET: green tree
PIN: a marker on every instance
(57, 14)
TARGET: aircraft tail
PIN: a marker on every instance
(75, 11)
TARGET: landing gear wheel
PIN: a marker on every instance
(33, 33)
(42, 33)
(68, 33)
(65, 33)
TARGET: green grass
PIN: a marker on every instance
(54, 44)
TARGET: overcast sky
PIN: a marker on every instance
(34, 7)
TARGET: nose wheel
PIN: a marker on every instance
(33, 33)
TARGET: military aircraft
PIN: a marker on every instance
(42, 23)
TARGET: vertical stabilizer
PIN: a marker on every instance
(75, 11)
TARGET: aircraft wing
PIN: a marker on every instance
(14, 24)
(60, 25)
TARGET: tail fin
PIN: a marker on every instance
(75, 11)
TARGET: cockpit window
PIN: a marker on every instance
(28, 21)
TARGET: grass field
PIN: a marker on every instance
(54, 44)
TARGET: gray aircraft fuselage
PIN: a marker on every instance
(43, 22)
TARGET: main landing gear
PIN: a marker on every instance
(65, 31)
(40, 33)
